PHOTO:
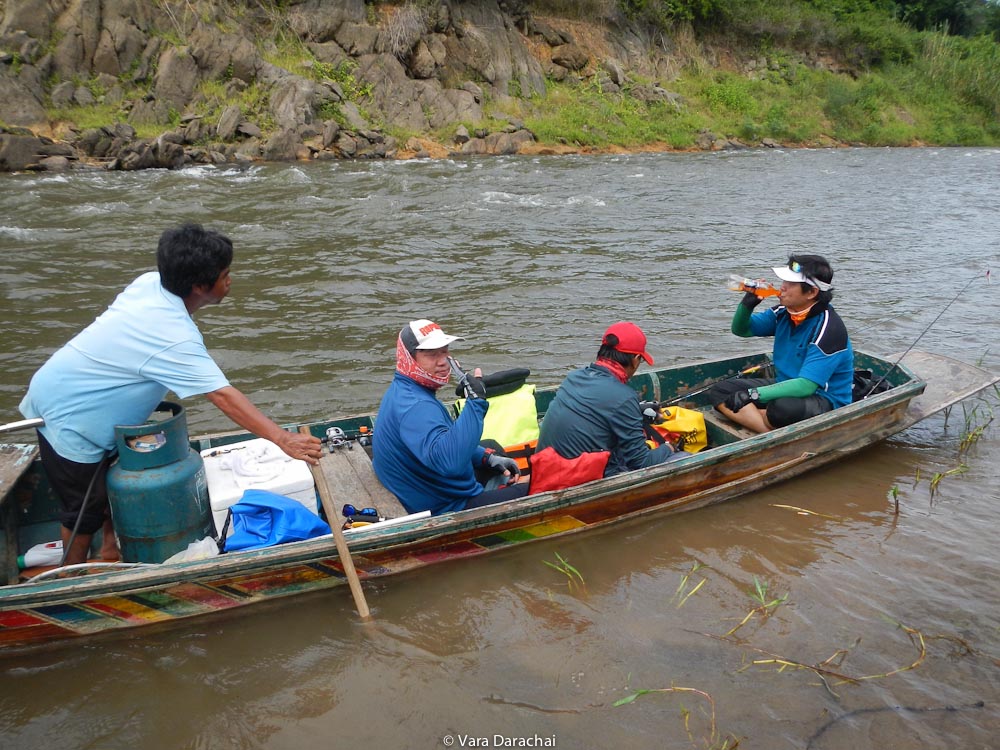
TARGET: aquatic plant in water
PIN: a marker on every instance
(764, 606)
(573, 576)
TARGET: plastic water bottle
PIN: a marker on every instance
(758, 286)
(49, 553)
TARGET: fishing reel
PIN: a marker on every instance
(337, 438)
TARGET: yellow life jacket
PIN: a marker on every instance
(512, 418)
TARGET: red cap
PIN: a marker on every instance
(631, 339)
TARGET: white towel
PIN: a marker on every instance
(256, 464)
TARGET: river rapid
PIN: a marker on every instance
(530, 258)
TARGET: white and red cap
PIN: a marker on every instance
(425, 334)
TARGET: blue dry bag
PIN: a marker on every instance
(263, 519)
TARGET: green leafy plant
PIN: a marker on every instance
(732, 94)
(938, 476)
(681, 595)
(574, 578)
(977, 421)
(894, 496)
(765, 606)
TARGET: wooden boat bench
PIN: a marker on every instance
(352, 480)
(721, 430)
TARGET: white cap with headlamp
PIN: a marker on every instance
(793, 272)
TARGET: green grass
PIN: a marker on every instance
(586, 117)
(97, 116)
(252, 101)
(909, 86)
(949, 94)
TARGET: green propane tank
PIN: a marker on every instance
(157, 489)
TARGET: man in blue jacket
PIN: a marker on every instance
(813, 358)
(595, 411)
(426, 459)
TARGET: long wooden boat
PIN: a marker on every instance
(109, 598)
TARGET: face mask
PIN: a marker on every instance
(407, 365)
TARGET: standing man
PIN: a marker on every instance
(422, 456)
(813, 358)
(118, 369)
(595, 410)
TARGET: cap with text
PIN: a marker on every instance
(425, 334)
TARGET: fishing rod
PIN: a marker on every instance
(747, 371)
(462, 375)
(937, 317)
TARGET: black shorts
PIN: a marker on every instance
(70, 481)
(780, 412)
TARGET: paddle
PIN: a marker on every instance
(338, 536)
(741, 373)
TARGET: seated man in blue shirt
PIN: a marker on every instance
(813, 358)
(595, 411)
(422, 456)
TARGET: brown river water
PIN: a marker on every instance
(530, 259)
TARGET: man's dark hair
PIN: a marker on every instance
(189, 256)
(608, 351)
(815, 267)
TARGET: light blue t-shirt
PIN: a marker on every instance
(118, 369)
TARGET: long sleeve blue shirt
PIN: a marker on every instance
(420, 454)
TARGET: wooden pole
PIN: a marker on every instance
(338, 536)
(24, 424)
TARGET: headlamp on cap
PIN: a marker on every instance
(794, 272)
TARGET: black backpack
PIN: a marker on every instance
(866, 384)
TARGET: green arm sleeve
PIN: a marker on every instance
(794, 388)
(741, 322)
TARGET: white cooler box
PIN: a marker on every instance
(254, 465)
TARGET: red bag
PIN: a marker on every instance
(550, 471)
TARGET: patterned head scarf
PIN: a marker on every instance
(407, 366)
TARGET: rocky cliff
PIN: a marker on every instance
(223, 80)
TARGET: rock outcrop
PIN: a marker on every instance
(220, 80)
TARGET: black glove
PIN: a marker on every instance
(501, 464)
(739, 399)
(474, 387)
(650, 411)
(750, 300)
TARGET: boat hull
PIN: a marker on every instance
(62, 609)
